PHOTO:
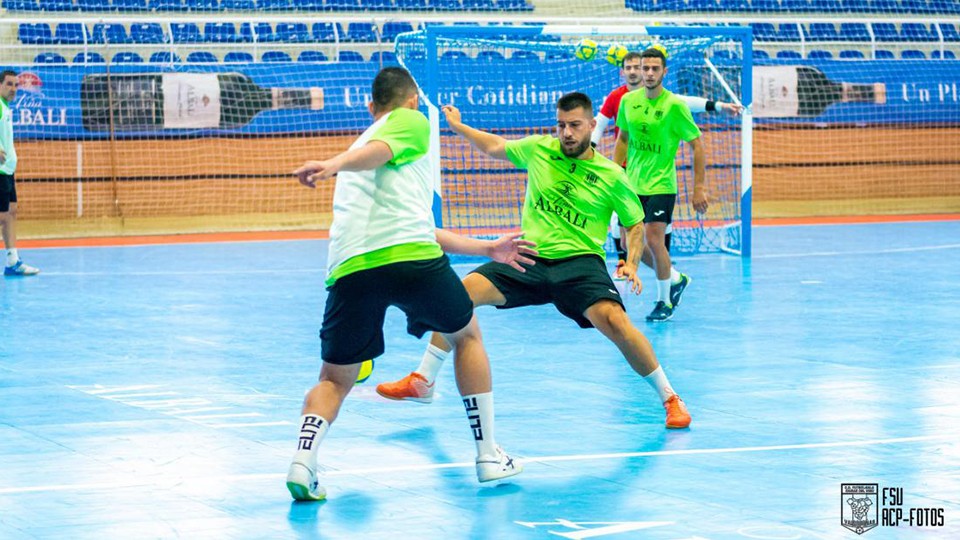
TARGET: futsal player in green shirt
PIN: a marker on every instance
(572, 190)
(652, 122)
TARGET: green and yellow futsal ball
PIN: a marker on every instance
(366, 370)
(616, 53)
(585, 50)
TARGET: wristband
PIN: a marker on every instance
(711, 106)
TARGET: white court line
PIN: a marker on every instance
(842, 253)
(97, 390)
(139, 395)
(471, 464)
(191, 272)
(250, 424)
(212, 416)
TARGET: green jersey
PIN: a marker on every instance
(655, 128)
(569, 201)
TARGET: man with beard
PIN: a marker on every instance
(652, 123)
(572, 190)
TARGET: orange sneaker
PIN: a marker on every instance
(677, 415)
(413, 387)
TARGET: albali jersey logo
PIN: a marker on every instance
(859, 508)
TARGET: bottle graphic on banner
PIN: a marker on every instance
(784, 91)
(151, 101)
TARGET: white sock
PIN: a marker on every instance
(674, 275)
(312, 430)
(663, 291)
(12, 257)
(431, 363)
(480, 414)
(658, 380)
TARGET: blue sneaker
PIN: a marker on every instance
(661, 312)
(676, 289)
(20, 269)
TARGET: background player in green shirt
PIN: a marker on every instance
(572, 191)
(652, 123)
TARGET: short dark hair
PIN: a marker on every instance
(575, 100)
(391, 87)
(7, 73)
(654, 52)
(632, 55)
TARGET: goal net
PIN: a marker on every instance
(507, 81)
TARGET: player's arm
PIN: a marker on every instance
(509, 249)
(602, 122)
(699, 104)
(620, 150)
(635, 241)
(370, 156)
(700, 203)
(488, 143)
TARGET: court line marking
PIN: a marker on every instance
(847, 253)
(166, 480)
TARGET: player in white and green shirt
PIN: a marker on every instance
(572, 191)
(8, 188)
(652, 123)
(384, 251)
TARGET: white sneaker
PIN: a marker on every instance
(302, 483)
(496, 467)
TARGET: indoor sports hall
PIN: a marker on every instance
(152, 373)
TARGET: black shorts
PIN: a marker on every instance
(8, 192)
(658, 208)
(572, 284)
(429, 292)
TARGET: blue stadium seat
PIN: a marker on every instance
(201, 57)
(764, 32)
(274, 5)
(164, 57)
(949, 32)
(394, 28)
(167, 5)
(884, 6)
(359, 32)
(350, 56)
(185, 33)
(70, 33)
(823, 32)
(886, 32)
(341, 5)
(126, 57)
(413, 5)
(21, 5)
(220, 33)
(827, 6)
(760, 55)
(918, 32)
(451, 57)
(238, 5)
(792, 55)
(789, 32)
(35, 34)
(947, 55)
(854, 32)
(130, 5)
(478, 5)
(308, 5)
(817, 54)
(377, 5)
(883, 54)
(293, 32)
(764, 5)
(554, 56)
(446, 5)
(275, 56)
(489, 57)
(917, 6)
(514, 5)
(57, 5)
(386, 58)
(49, 58)
(262, 30)
(146, 33)
(109, 33)
(94, 5)
(796, 6)
(726, 57)
(328, 32)
(201, 5)
(237, 57)
(89, 57)
(913, 54)
(851, 54)
(525, 56)
(312, 56)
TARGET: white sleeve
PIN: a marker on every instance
(602, 122)
(696, 104)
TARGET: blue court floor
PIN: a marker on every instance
(152, 392)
